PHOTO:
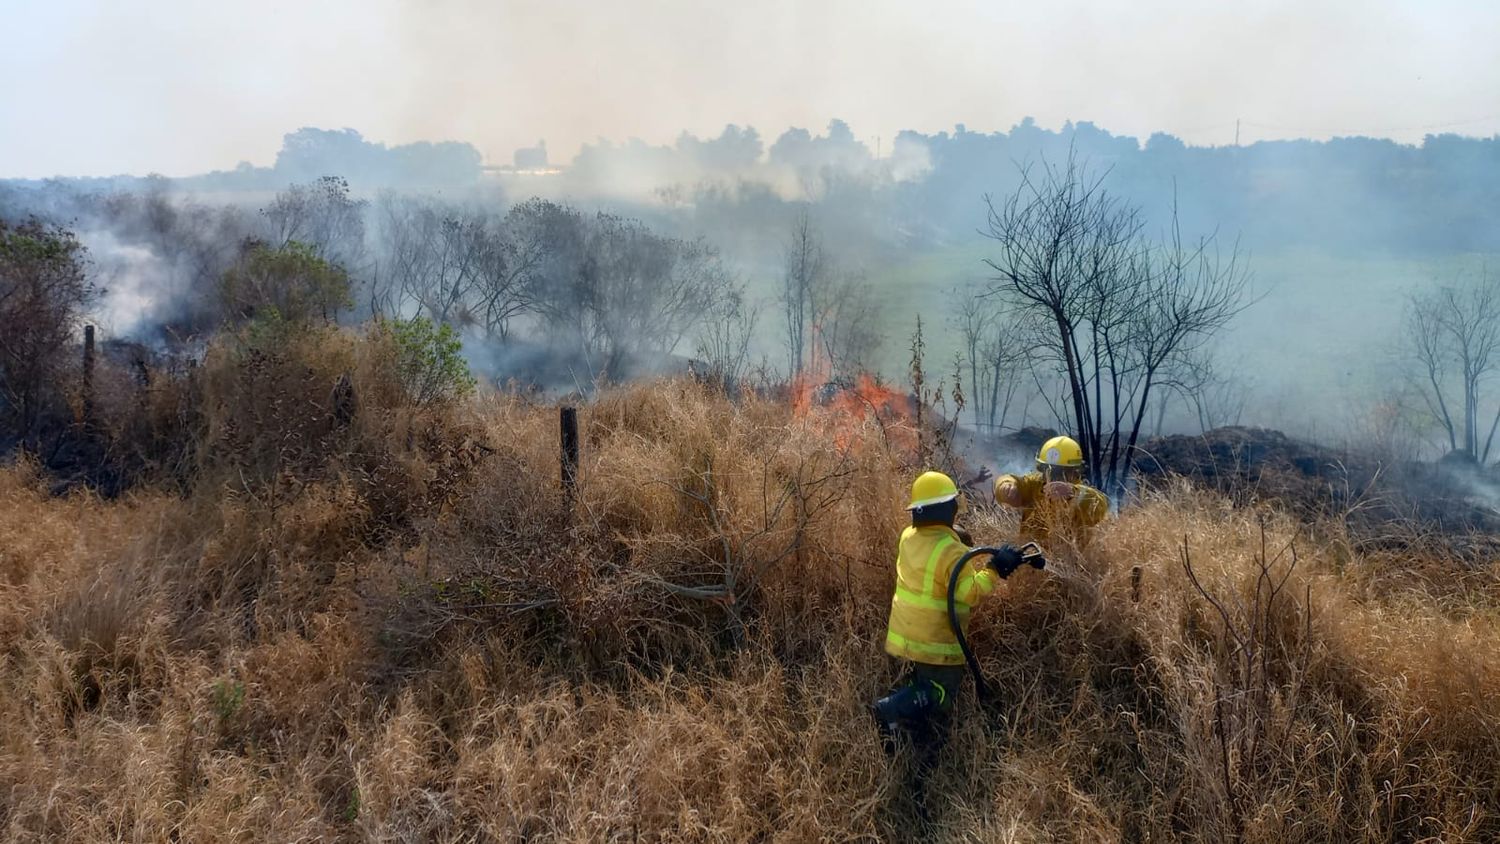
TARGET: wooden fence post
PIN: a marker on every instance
(88, 375)
(569, 422)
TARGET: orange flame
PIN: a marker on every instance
(844, 409)
(847, 410)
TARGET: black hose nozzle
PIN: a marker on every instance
(1031, 555)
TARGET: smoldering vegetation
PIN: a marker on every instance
(571, 296)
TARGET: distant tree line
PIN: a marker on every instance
(920, 189)
(1343, 194)
(916, 189)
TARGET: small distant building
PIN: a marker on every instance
(532, 158)
(526, 163)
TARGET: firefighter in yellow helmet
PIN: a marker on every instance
(1055, 495)
(918, 633)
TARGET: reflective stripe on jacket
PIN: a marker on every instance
(918, 629)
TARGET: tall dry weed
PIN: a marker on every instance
(400, 628)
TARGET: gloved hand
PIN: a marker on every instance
(1006, 560)
(1059, 491)
(1006, 491)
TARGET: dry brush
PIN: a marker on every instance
(345, 615)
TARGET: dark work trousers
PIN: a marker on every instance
(927, 731)
(927, 736)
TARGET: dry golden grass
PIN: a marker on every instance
(391, 628)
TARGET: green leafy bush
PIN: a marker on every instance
(290, 284)
(228, 697)
(429, 360)
(44, 290)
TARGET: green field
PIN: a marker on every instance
(1318, 340)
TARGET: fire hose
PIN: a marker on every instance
(1031, 554)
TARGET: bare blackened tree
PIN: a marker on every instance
(611, 287)
(1064, 243)
(460, 266)
(846, 318)
(605, 287)
(972, 320)
(460, 248)
(554, 239)
(1184, 293)
(830, 318)
(804, 272)
(645, 292)
(323, 216)
(1453, 335)
(506, 289)
(1216, 395)
(1120, 311)
(1212, 396)
(722, 346)
(435, 256)
(401, 256)
(994, 350)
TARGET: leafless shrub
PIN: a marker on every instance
(1452, 334)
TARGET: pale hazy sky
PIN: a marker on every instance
(185, 86)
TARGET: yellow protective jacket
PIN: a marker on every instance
(1040, 516)
(919, 629)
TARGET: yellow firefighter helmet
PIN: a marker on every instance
(1061, 452)
(932, 488)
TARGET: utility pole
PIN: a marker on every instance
(1236, 131)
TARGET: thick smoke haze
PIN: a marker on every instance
(182, 87)
(1347, 151)
(1335, 234)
